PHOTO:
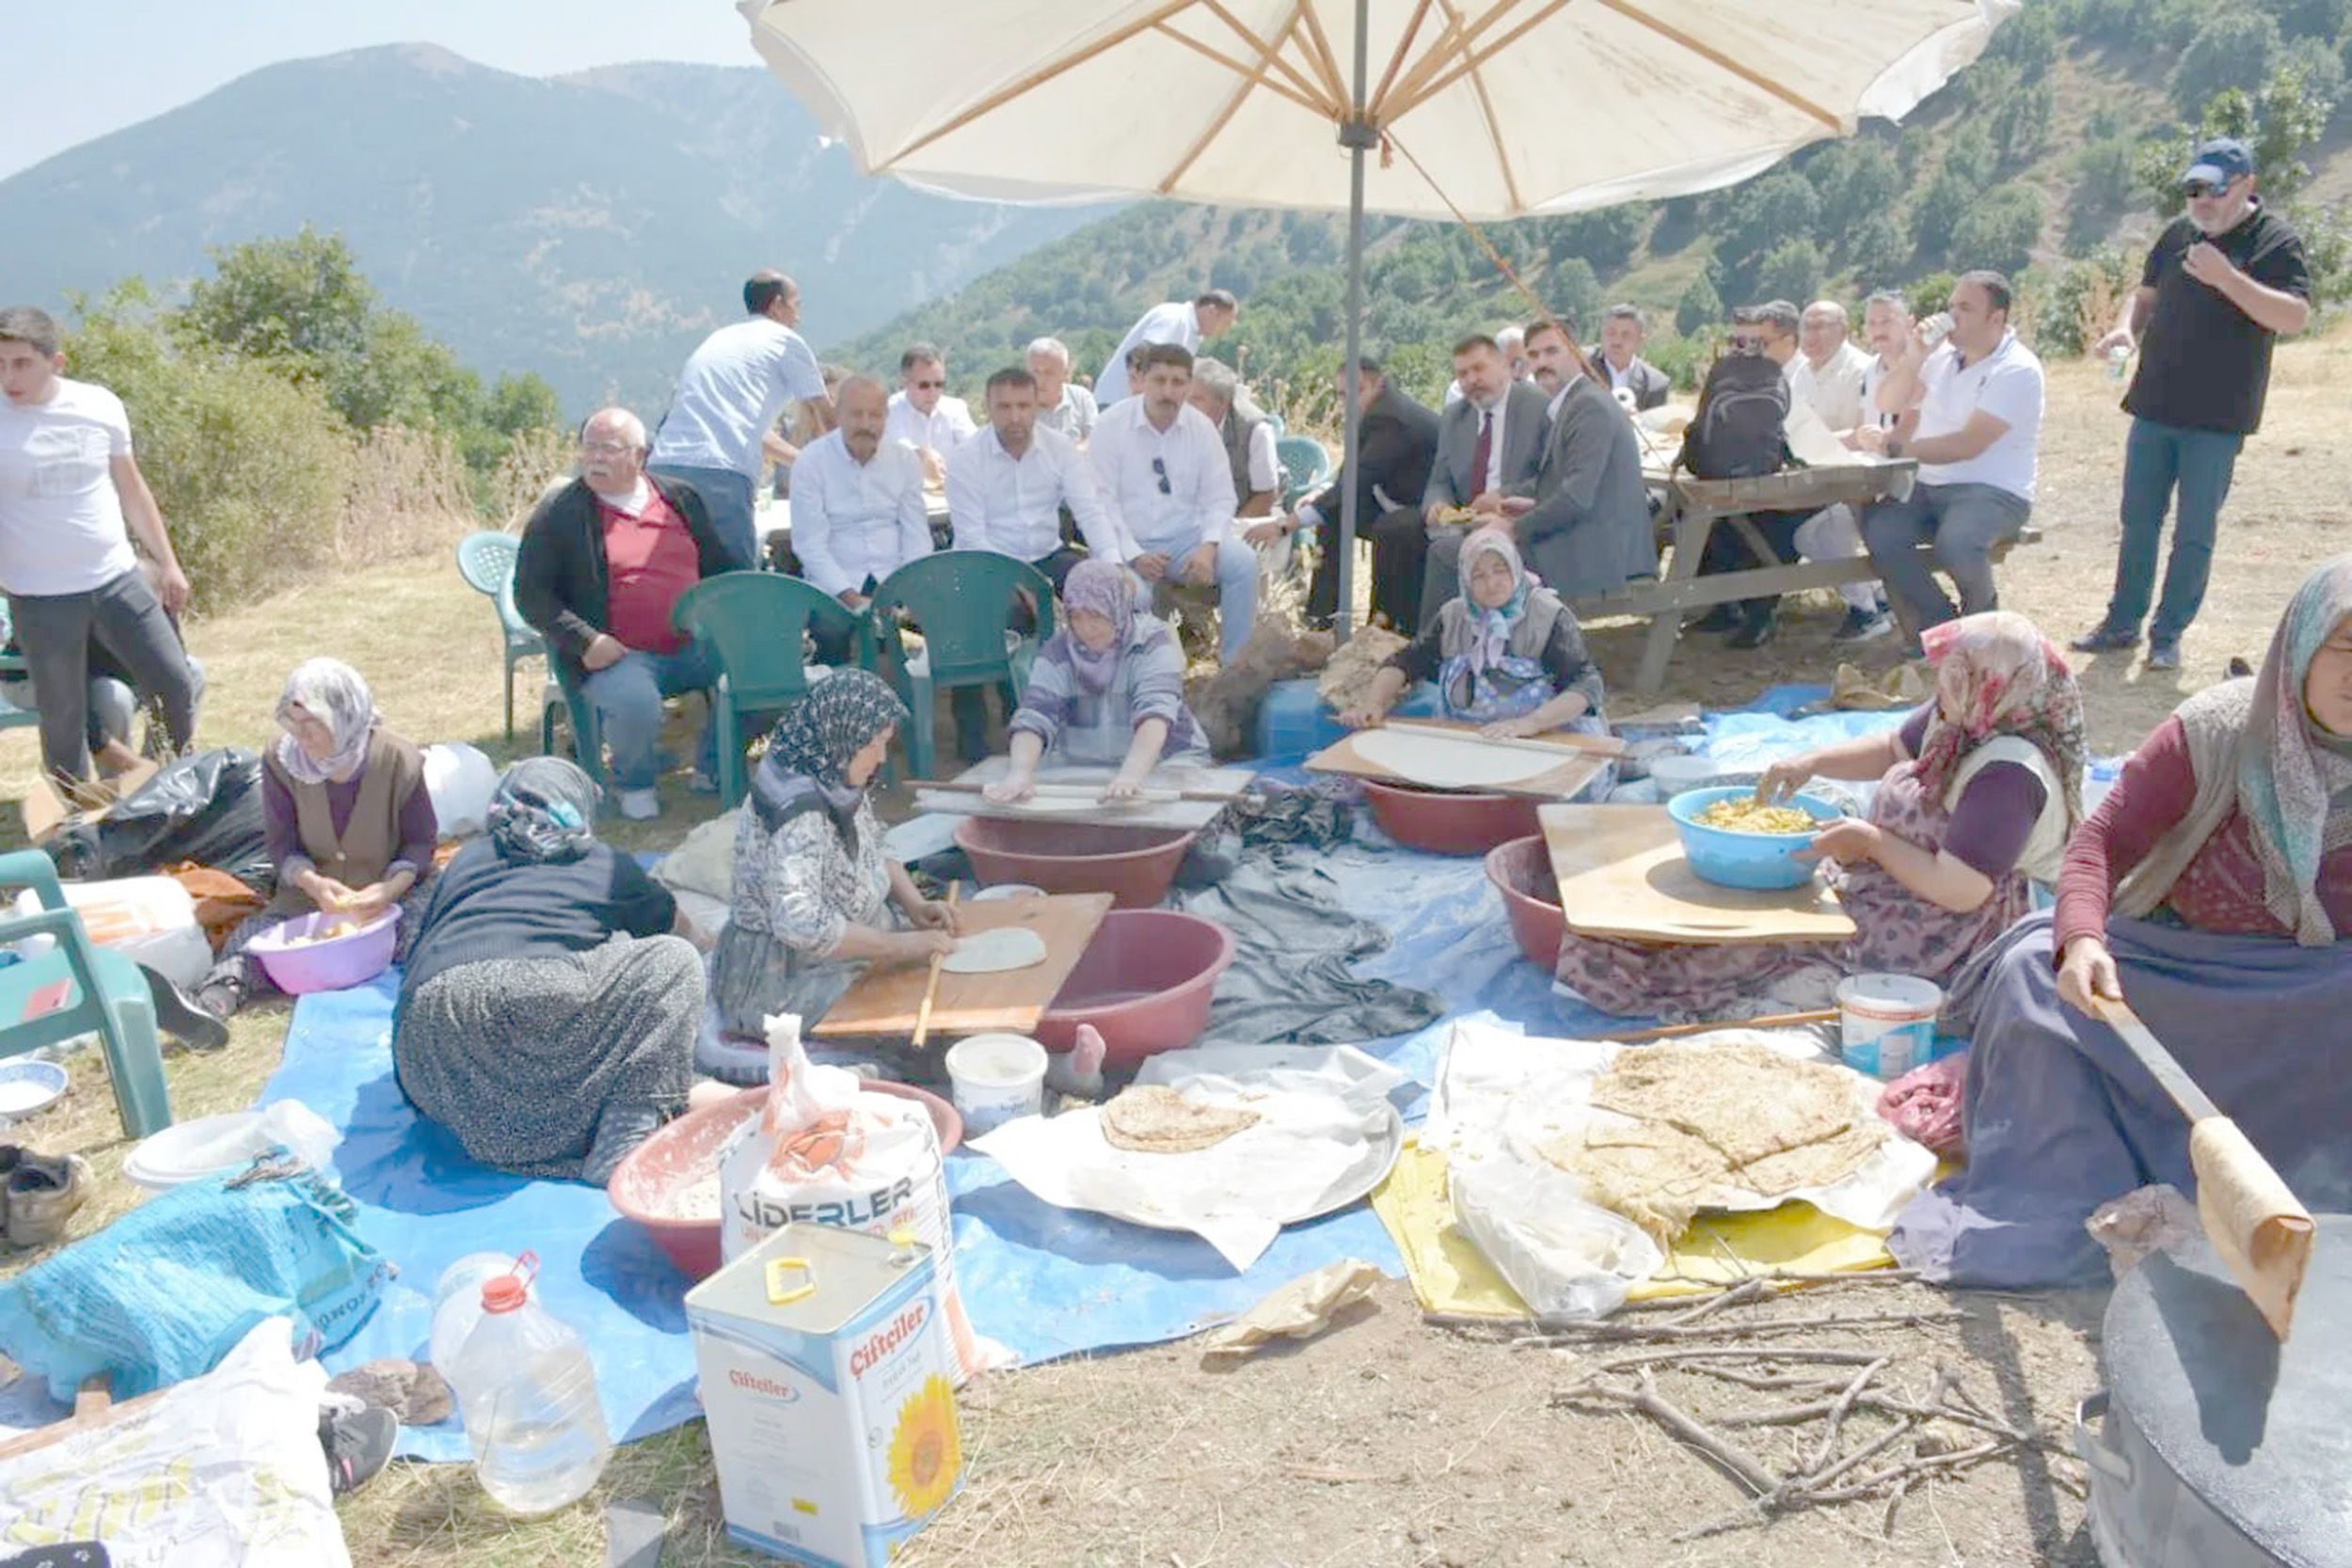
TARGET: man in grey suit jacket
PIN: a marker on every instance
(1510, 413)
(1619, 357)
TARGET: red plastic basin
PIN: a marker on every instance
(1144, 982)
(1443, 822)
(1133, 864)
(1521, 872)
(685, 1149)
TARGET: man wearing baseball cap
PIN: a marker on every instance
(2221, 283)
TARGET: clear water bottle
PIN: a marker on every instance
(2097, 780)
(528, 1394)
(457, 1302)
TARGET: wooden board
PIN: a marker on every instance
(1186, 815)
(1622, 874)
(1583, 755)
(884, 1001)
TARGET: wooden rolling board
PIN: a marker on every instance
(1622, 874)
(1184, 815)
(1583, 755)
(884, 1000)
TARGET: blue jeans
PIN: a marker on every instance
(627, 695)
(727, 497)
(1236, 586)
(2158, 461)
(1962, 522)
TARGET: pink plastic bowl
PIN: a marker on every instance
(1133, 864)
(684, 1150)
(1445, 823)
(1145, 982)
(336, 965)
(1521, 872)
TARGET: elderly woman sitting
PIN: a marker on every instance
(349, 822)
(2211, 891)
(1107, 691)
(549, 1006)
(813, 889)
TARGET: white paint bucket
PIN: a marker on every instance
(1888, 1022)
(996, 1078)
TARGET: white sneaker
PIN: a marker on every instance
(640, 805)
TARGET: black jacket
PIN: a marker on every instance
(1394, 449)
(560, 582)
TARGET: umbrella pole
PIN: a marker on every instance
(1359, 136)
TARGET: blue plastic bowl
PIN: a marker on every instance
(1759, 861)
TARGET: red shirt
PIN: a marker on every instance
(650, 560)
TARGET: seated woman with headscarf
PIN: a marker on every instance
(813, 892)
(550, 1005)
(2212, 892)
(1978, 790)
(1107, 690)
(348, 821)
(1507, 655)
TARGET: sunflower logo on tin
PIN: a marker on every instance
(927, 1450)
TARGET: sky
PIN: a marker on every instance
(79, 69)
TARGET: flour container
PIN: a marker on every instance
(996, 1079)
(1888, 1022)
(829, 1392)
(528, 1391)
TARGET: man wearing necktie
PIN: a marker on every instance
(1490, 437)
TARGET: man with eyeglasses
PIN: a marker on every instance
(1168, 487)
(2219, 286)
(921, 413)
(603, 562)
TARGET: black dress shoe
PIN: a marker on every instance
(2104, 639)
(178, 1015)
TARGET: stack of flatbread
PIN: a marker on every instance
(1739, 1119)
(1152, 1118)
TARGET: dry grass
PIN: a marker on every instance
(409, 498)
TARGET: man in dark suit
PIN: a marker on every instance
(1489, 439)
(1618, 358)
(1396, 441)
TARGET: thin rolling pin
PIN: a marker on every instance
(931, 989)
(1073, 791)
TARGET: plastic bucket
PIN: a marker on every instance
(1888, 1022)
(996, 1079)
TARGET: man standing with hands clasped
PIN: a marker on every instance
(2221, 283)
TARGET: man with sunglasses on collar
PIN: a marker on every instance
(2222, 281)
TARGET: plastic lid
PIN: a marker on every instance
(508, 1291)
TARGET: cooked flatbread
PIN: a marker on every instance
(1653, 1175)
(1152, 1118)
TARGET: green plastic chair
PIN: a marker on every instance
(487, 561)
(96, 990)
(561, 703)
(1306, 467)
(962, 601)
(753, 623)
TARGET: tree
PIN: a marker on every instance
(1971, 156)
(1854, 180)
(1936, 213)
(300, 305)
(1700, 309)
(2021, 122)
(2029, 40)
(1573, 291)
(2324, 20)
(2234, 49)
(1999, 229)
(1759, 215)
(1792, 270)
(1876, 249)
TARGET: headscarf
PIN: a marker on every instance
(333, 692)
(544, 809)
(807, 765)
(2001, 676)
(1105, 588)
(1491, 630)
(2290, 779)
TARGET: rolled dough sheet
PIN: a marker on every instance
(992, 952)
(1448, 764)
(1053, 805)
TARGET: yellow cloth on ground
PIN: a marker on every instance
(1451, 1275)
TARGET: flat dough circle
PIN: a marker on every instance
(1449, 764)
(992, 952)
(1152, 1118)
(1054, 804)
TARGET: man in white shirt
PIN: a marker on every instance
(857, 501)
(1187, 326)
(721, 429)
(1825, 377)
(71, 498)
(1169, 489)
(1886, 323)
(922, 413)
(1062, 404)
(1972, 417)
(1008, 486)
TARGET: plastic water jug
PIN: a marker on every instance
(457, 1302)
(528, 1391)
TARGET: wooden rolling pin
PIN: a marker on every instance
(931, 989)
(1553, 745)
(1079, 791)
(1777, 1020)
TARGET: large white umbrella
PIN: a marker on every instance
(1483, 109)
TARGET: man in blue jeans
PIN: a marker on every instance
(2220, 284)
(603, 562)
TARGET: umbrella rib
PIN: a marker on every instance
(1272, 53)
(1319, 52)
(1404, 47)
(1241, 93)
(1420, 87)
(1249, 76)
(1494, 127)
(1726, 63)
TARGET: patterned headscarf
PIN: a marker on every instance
(809, 751)
(334, 693)
(2289, 777)
(544, 809)
(1105, 588)
(2001, 676)
(1491, 630)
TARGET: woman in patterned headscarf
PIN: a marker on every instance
(550, 1004)
(348, 821)
(1976, 790)
(2211, 891)
(1107, 690)
(813, 892)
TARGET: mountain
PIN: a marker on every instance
(591, 227)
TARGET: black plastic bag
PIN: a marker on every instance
(205, 808)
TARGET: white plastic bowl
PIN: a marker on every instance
(192, 1151)
(28, 1086)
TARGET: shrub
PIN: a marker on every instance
(2076, 304)
(2233, 49)
(1792, 270)
(1999, 229)
(1700, 307)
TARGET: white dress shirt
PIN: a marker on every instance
(1832, 388)
(854, 520)
(1169, 492)
(944, 429)
(1176, 322)
(1013, 505)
